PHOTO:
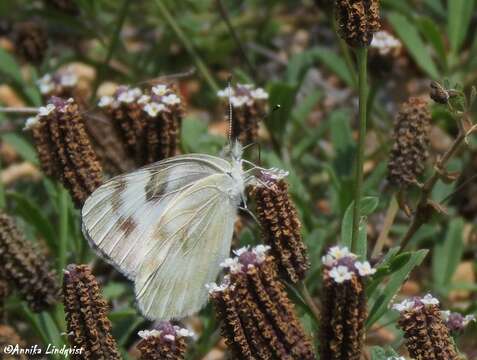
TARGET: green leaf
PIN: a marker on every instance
(433, 34)
(9, 67)
(368, 205)
(459, 13)
(447, 254)
(22, 146)
(380, 300)
(283, 95)
(196, 139)
(378, 353)
(343, 142)
(408, 33)
(34, 216)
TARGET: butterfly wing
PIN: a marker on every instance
(120, 217)
(195, 233)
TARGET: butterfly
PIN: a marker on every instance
(169, 226)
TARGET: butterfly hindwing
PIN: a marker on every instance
(120, 217)
(196, 232)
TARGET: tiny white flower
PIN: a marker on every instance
(127, 96)
(261, 252)
(405, 305)
(239, 101)
(233, 265)
(385, 42)
(68, 79)
(144, 99)
(105, 101)
(225, 92)
(240, 251)
(445, 314)
(144, 334)
(31, 122)
(340, 252)
(340, 274)
(468, 319)
(328, 260)
(183, 332)
(213, 287)
(136, 92)
(429, 300)
(396, 358)
(152, 109)
(45, 84)
(46, 110)
(171, 99)
(159, 90)
(259, 94)
(170, 337)
(364, 268)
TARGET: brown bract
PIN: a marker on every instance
(87, 315)
(31, 41)
(155, 348)
(259, 320)
(25, 267)
(358, 20)
(65, 150)
(426, 335)
(281, 228)
(411, 142)
(342, 319)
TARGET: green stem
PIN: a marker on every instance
(2, 191)
(309, 301)
(202, 68)
(362, 54)
(112, 46)
(63, 228)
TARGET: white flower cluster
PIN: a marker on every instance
(243, 94)
(48, 83)
(43, 111)
(396, 358)
(235, 266)
(340, 273)
(125, 96)
(385, 43)
(180, 332)
(213, 287)
(409, 304)
(466, 320)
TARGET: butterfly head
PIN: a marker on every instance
(233, 151)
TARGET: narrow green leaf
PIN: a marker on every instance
(459, 13)
(343, 142)
(408, 33)
(447, 254)
(434, 35)
(380, 301)
(23, 147)
(368, 205)
(9, 67)
(281, 94)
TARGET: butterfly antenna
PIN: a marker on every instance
(229, 91)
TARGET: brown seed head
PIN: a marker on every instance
(165, 342)
(426, 335)
(148, 123)
(64, 148)
(259, 320)
(411, 142)
(342, 327)
(87, 315)
(26, 268)
(9, 337)
(281, 228)
(31, 41)
(358, 20)
(248, 108)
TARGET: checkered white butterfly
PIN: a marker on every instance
(169, 225)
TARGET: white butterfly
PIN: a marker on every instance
(169, 225)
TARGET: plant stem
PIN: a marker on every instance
(309, 301)
(112, 46)
(422, 209)
(362, 54)
(63, 228)
(2, 191)
(388, 222)
(18, 110)
(188, 46)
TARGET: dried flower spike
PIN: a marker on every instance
(166, 342)
(148, 124)
(358, 20)
(411, 142)
(456, 322)
(26, 268)
(281, 227)
(248, 108)
(31, 41)
(64, 148)
(9, 337)
(426, 335)
(343, 305)
(259, 321)
(87, 315)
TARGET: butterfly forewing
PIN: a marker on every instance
(196, 232)
(120, 218)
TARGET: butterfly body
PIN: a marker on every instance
(168, 226)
